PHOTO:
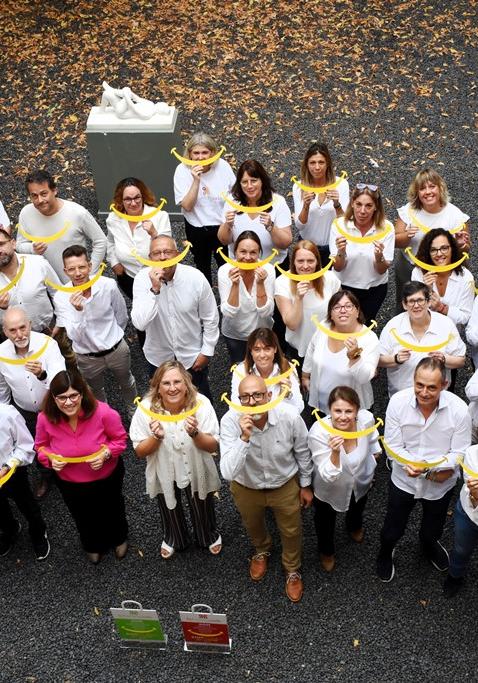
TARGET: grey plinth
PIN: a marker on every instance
(119, 148)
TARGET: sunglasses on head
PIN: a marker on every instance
(366, 186)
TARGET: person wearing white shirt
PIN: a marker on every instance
(95, 319)
(16, 452)
(4, 219)
(343, 470)
(48, 215)
(198, 190)
(471, 391)
(314, 212)
(420, 327)
(247, 296)
(265, 457)
(471, 332)
(362, 267)
(177, 309)
(428, 424)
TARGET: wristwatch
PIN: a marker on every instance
(336, 204)
(398, 362)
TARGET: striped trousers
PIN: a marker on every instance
(203, 519)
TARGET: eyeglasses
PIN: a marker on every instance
(132, 200)
(416, 302)
(245, 399)
(345, 307)
(366, 186)
(167, 253)
(440, 250)
(73, 398)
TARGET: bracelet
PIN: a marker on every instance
(42, 376)
(398, 362)
(194, 434)
(155, 293)
(270, 227)
(107, 454)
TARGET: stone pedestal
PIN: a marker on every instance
(119, 148)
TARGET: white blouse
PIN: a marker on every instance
(459, 294)
(209, 204)
(471, 460)
(293, 399)
(321, 216)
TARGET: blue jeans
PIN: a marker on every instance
(464, 542)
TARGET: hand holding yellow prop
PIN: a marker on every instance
(247, 266)
(166, 418)
(346, 435)
(77, 288)
(17, 277)
(143, 217)
(376, 237)
(341, 336)
(435, 269)
(271, 381)
(308, 277)
(44, 238)
(10, 473)
(246, 209)
(319, 190)
(424, 228)
(62, 458)
(162, 264)
(26, 359)
(198, 162)
(417, 347)
(420, 464)
(465, 468)
(255, 410)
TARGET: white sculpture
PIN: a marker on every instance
(126, 105)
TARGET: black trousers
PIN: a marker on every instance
(324, 520)
(399, 506)
(204, 245)
(97, 508)
(237, 349)
(203, 519)
(370, 300)
(125, 283)
(31, 422)
(17, 488)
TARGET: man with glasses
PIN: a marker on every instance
(266, 458)
(418, 326)
(176, 308)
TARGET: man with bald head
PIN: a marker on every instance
(266, 458)
(175, 306)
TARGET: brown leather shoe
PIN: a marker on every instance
(357, 535)
(258, 566)
(327, 562)
(42, 488)
(294, 587)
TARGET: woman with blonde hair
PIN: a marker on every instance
(179, 449)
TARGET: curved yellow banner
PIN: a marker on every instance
(417, 347)
(134, 630)
(162, 264)
(44, 238)
(10, 473)
(166, 418)
(78, 288)
(247, 266)
(200, 162)
(255, 410)
(319, 190)
(346, 435)
(435, 269)
(26, 359)
(143, 217)
(271, 381)
(17, 277)
(246, 209)
(363, 240)
(341, 336)
(424, 228)
(62, 458)
(420, 464)
(308, 277)
(471, 473)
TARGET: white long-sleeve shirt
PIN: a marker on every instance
(16, 442)
(471, 460)
(472, 332)
(293, 399)
(321, 216)
(459, 294)
(446, 433)
(181, 321)
(101, 323)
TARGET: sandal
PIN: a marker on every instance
(216, 547)
(167, 551)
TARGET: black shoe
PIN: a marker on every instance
(385, 566)
(452, 585)
(438, 556)
(7, 542)
(41, 546)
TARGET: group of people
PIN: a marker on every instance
(303, 338)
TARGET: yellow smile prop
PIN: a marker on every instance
(44, 238)
(255, 410)
(27, 359)
(199, 162)
(246, 209)
(138, 219)
(271, 381)
(420, 464)
(308, 277)
(10, 473)
(247, 266)
(162, 264)
(62, 458)
(78, 288)
(363, 240)
(416, 347)
(13, 282)
(435, 269)
(346, 435)
(465, 468)
(341, 336)
(166, 418)
(319, 190)
(424, 228)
